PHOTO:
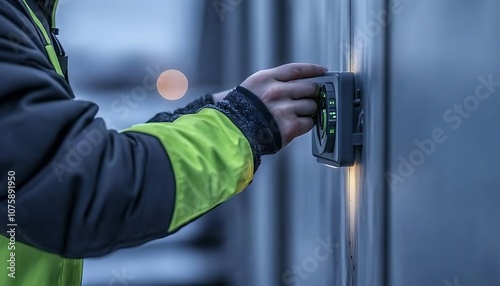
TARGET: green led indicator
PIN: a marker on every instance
(324, 120)
(332, 131)
(332, 102)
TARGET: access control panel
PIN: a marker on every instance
(337, 122)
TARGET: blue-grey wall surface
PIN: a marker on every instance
(444, 186)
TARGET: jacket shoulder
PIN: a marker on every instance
(18, 34)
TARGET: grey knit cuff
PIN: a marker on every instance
(253, 119)
(191, 108)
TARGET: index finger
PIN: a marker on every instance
(296, 71)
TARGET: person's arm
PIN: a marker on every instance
(83, 190)
(191, 108)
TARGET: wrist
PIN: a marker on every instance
(219, 96)
(249, 114)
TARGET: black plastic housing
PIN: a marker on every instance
(341, 152)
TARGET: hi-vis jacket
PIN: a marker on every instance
(70, 188)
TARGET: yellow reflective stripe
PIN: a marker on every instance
(211, 159)
(49, 48)
(35, 267)
(38, 23)
(53, 59)
(54, 14)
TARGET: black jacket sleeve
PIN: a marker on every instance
(81, 190)
(191, 108)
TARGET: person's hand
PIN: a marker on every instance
(290, 101)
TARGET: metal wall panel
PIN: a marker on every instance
(368, 52)
(348, 204)
(317, 195)
(253, 41)
(391, 223)
(445, 194)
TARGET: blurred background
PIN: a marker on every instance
(117, 50)
(403, 215)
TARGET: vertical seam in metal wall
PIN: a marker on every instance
(352, 222)
(386, 143)
(349, 34)
(358, 186)
(353, 186)
(282, 242)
